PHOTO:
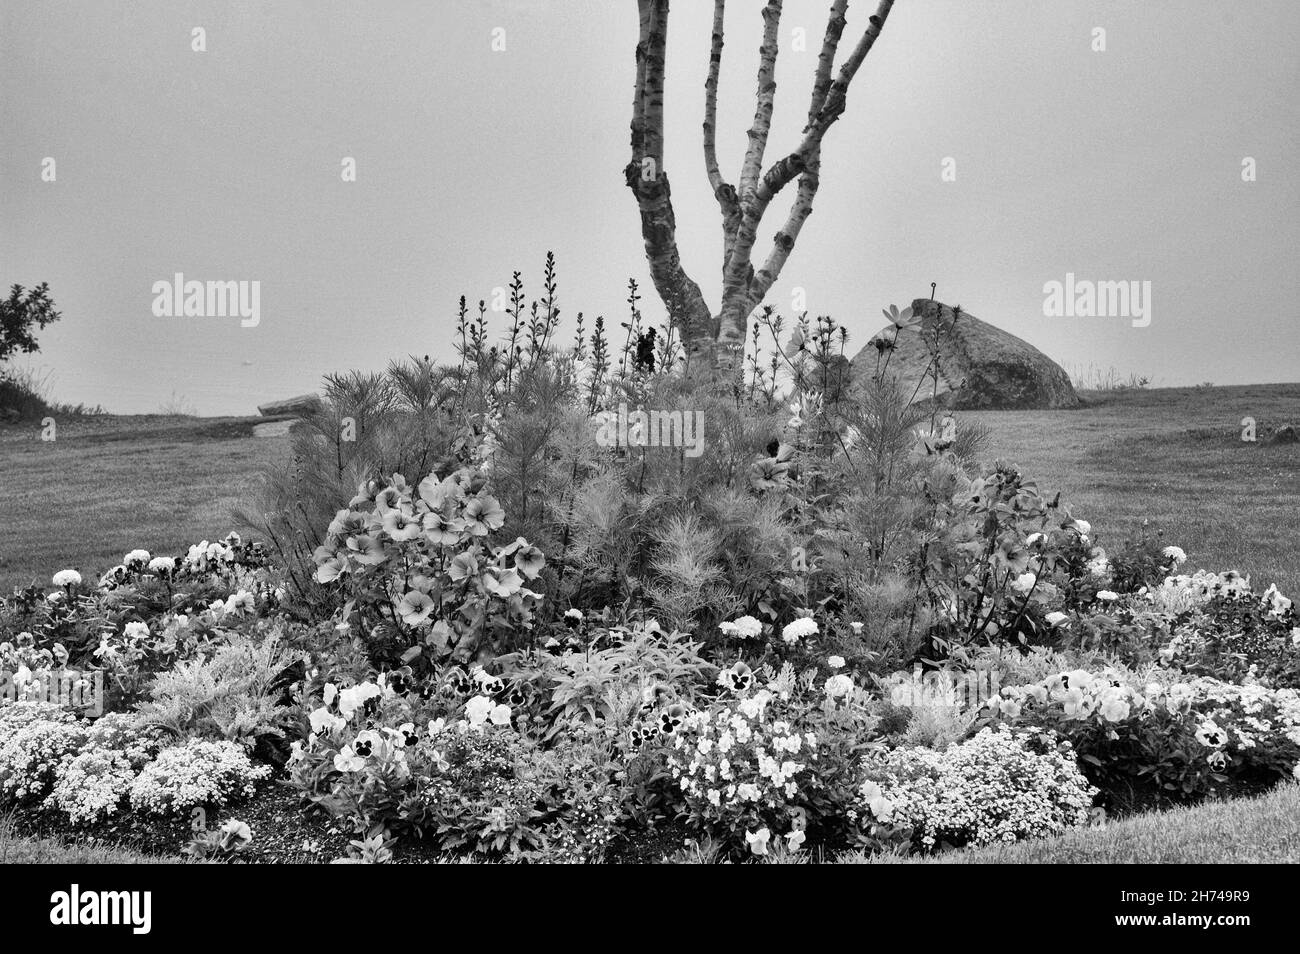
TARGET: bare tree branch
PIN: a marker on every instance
(835, 24)
(742, 287)
(784, 241)
(764, 97)
(722, 190)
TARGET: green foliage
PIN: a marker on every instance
(233, 694)
(21, 314)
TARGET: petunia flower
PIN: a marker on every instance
(402, 525)
(529, 561)
(483, 515)
(415, 607)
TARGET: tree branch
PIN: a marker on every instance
(835, 24)
(765, 95)
(742, 288)
(832, 107)
(809, 179)
(723, 191)
(783, 242)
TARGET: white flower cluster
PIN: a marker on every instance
(66, 578)
(1177, 594)
(734, 760)
(991, 788)
(746, 627)
(1278, 605)
(205, 556)
(384, 747)
(120, 732)
(1175, 554)
(236, 604)
(195, 774)
(35, 741)
(1080, 695)
(799, 629)
(1098, 563)
(91, 785)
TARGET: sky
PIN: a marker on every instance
(1122, 164)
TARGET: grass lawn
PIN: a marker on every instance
(1173, 457)
(1263, 830)
(107, 485)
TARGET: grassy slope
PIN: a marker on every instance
(108, 485)
(1174, 457)
(1262, 830)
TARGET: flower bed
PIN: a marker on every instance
(706, 655)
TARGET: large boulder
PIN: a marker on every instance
(979, 367)
(301, 406)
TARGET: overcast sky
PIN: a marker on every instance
(1122, 165)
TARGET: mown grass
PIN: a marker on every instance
(1175, 459)
(1264, 830)
(108, 485)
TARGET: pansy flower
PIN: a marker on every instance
(671, 719)
(347, 760)
(739, 678)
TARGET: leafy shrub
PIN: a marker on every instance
(1168, 741)
(476, 798)
(1239, 639)
(234, 694)
(469, 781)
(607, 680)
(21, 314)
